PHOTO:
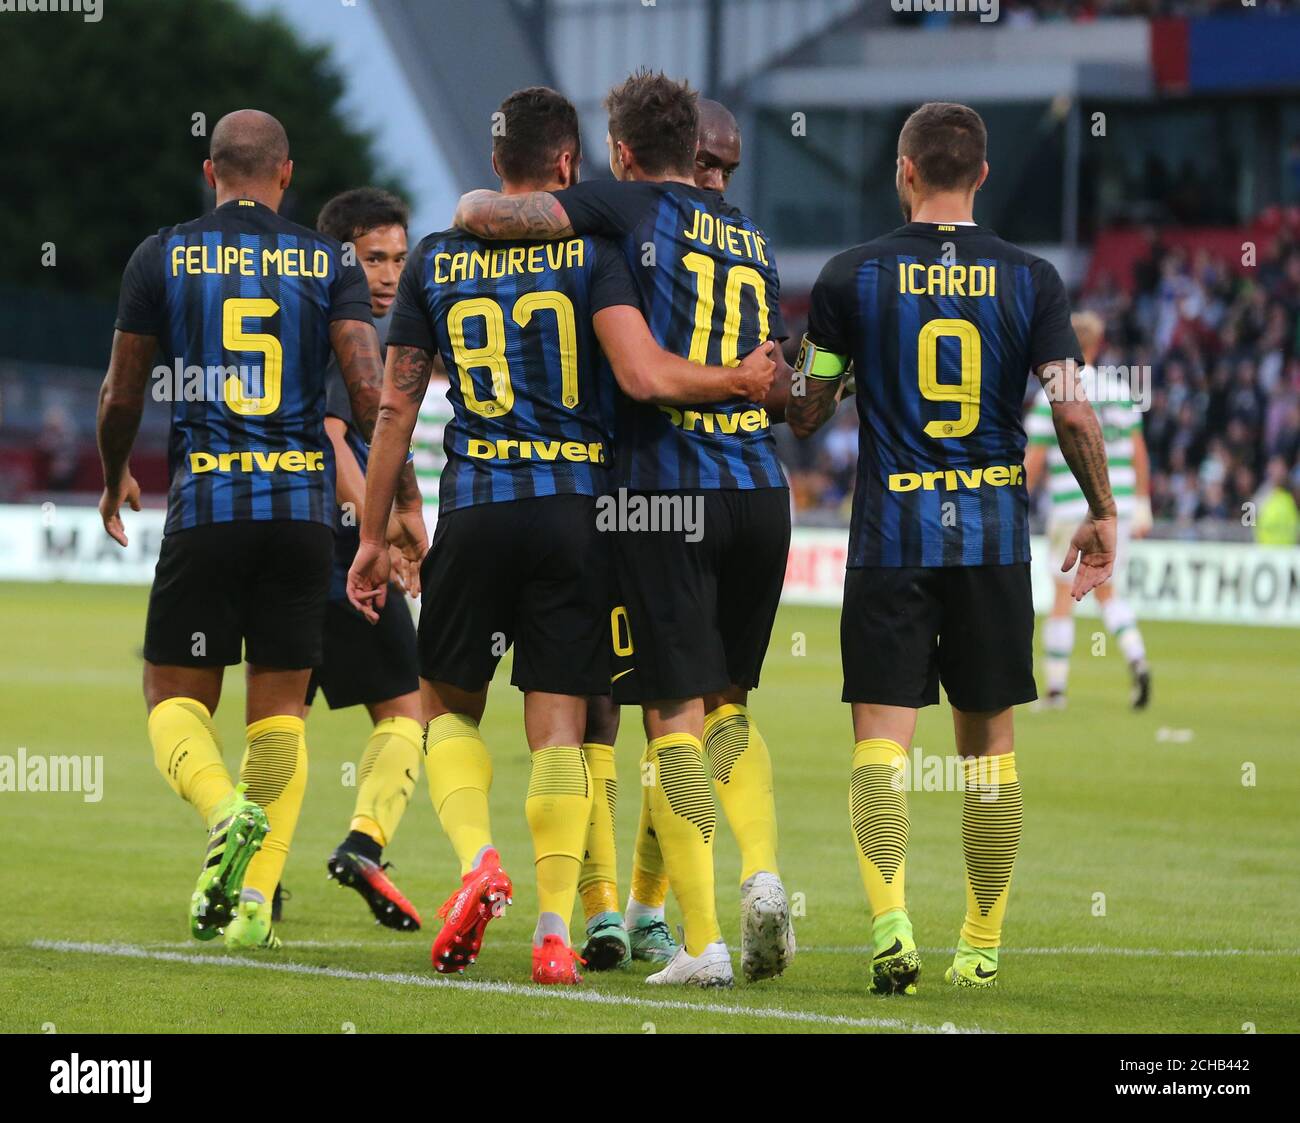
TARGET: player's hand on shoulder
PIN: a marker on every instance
(368, 579)
(1093, 546)
(756, 373)
(110, 504)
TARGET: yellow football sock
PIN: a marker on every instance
(188, 754)
(275, 770)
(992, 812)
(558, 803)
(649, 880)
(685, 821)
(460, 776)
(598, 882)
(742, 775)
(878, 811)
(389, 767)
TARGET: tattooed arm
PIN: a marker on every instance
(406, 377)
(121, 404)
(1078, 431)
(489, 214)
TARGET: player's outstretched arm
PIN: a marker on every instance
(648, 373)
(121, 404)
(491, 215)
(1078, 431)
(406, 377)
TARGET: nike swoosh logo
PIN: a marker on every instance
(979, 974)
(894, 950)
(622, 673)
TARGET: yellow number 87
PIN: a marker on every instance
(966, 392)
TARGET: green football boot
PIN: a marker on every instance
(252, 927)
(895, 963)
(235, 836)
(607, 944)
(651, 940)
(973, 967)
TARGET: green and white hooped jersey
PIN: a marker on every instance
(427, 445)
(1120, 419)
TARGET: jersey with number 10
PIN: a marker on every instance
(241, 302)
(942, 324)
(710, 292)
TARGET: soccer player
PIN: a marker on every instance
(717, 152)
(1126, 452)
(941, 320)
(363, 665)
(518, 556)
(699, 613)
(249, 306)
(614, 940)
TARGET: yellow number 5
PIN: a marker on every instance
(966, 392)
(234, 338)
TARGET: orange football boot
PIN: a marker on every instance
(483, 895)
(555, 962)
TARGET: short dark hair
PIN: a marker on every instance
(353, 214)
(947, 143)
(659, 119)
(539, 124)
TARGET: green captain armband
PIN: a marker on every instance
(817, 363)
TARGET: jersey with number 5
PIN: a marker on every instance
(531, 392)
(711, 293)
(942, 324)
(241, 301)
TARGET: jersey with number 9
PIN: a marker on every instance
(942, 324)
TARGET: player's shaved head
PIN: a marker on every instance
(718, 152)
(248, 146)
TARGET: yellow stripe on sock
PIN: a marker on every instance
(390, 766)
(187, 751)
(459, 771)
(598, 881)
(992, 817)
(742, 776)
(275, 770)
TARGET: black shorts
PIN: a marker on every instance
(366, 663)
(903, 631)
(531, 572)
(698, 614)
(260, 584)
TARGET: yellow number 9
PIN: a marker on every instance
(966, 392)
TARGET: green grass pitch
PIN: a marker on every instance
(1155, 891)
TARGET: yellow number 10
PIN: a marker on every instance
(738, 277)
(966, 392)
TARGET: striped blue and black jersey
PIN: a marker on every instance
(241, 302)
(531, 391)
(710, 292)
(942, 324)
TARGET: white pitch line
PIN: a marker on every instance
(814, 949)
(514, 990)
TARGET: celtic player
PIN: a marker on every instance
(1121, 423)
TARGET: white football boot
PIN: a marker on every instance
(766, 935)
(711, 968)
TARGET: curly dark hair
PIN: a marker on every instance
(659, 119)
(353, 214)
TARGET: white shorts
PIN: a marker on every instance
(1058, 545)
